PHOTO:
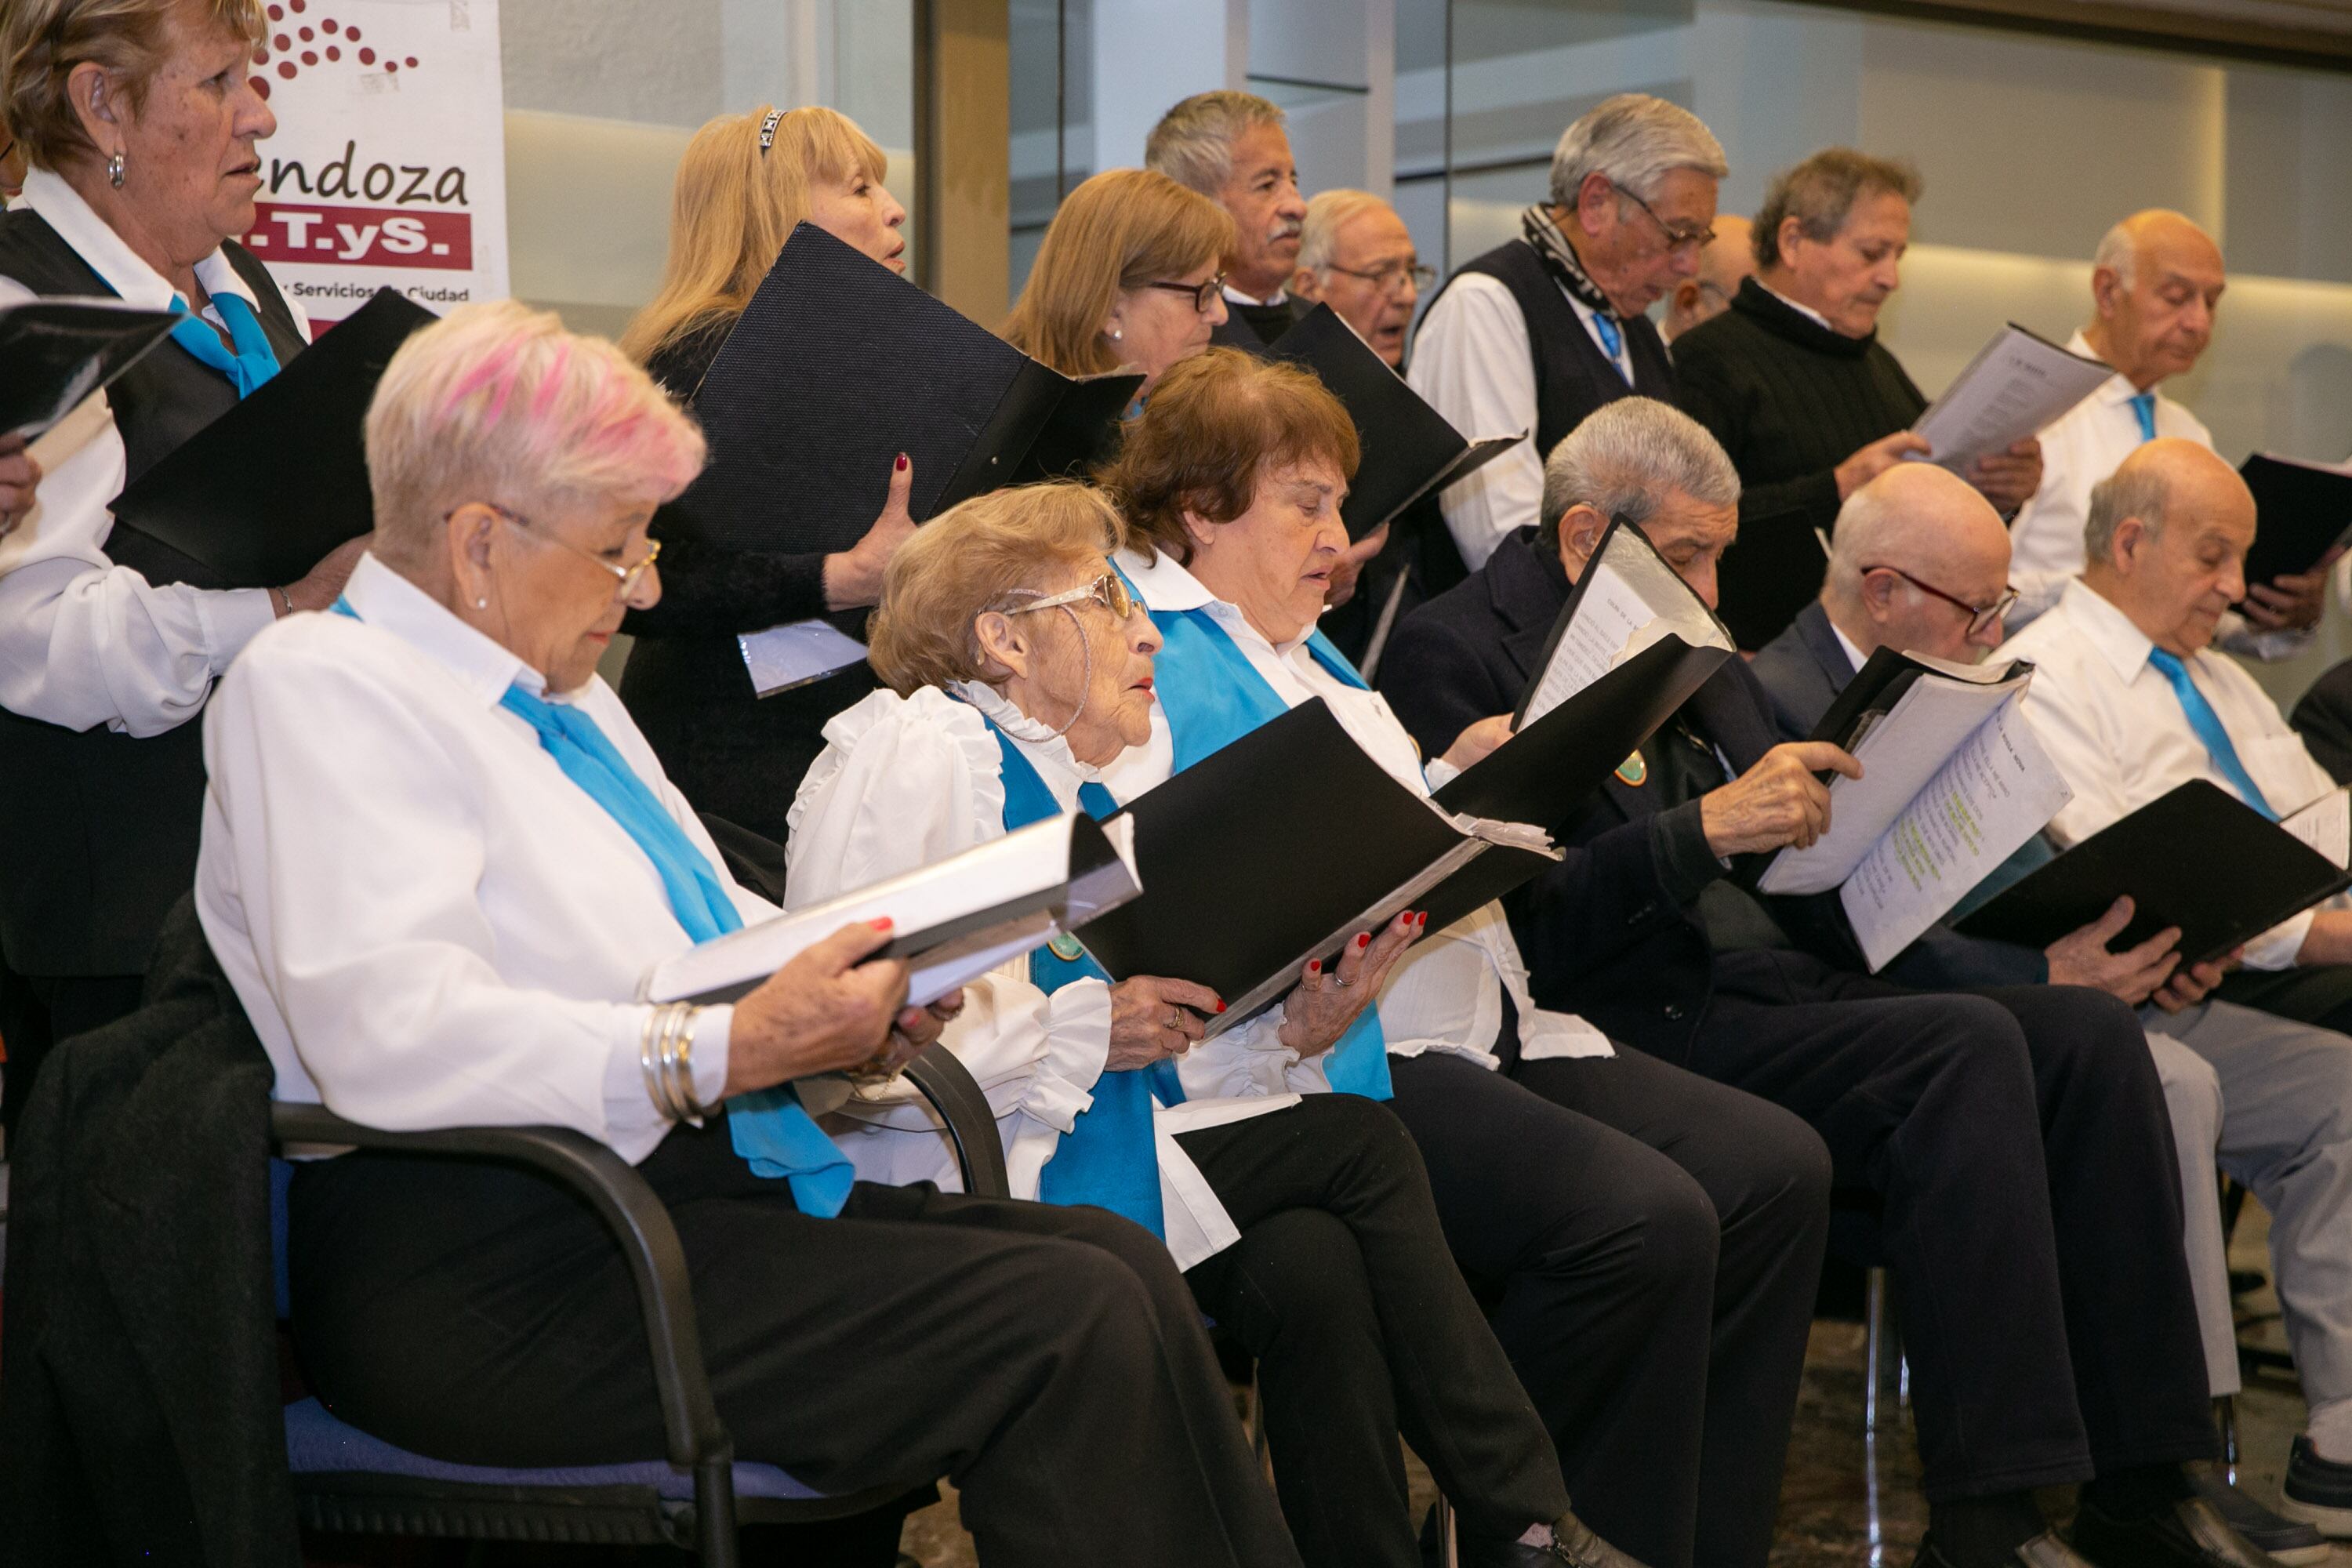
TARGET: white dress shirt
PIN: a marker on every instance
(84, 642)
(2112, 722)
(1472, 362)
(906, 781)
(429, 923)
(2086, 444)
(1445, 994)
(1234, 296)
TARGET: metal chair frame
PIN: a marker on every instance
(696, 1439)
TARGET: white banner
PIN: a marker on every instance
(389, 167)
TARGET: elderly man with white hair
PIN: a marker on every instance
(1356, 256)
(2156, 283)
(1544, 329)
(2130, 702)
(1232, 148)
(1921, 564)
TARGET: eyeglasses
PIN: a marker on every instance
(625, 577)
(1109, 590)
(1979, 615)
(1418, 274)
(1201, 292)
(1676, 238)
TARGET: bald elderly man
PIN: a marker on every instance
(2130, 701)
(1921, 564)
(1728, 260)
(2156, 283)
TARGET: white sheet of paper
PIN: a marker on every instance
(1993, 793)
(795, 653)
(2016, 386)
(2326, 826)
(1898, 756)
(1609, 617)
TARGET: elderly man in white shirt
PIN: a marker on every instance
(438, 860)
(1542, 329)
(2130, 699)
(2156, 283)
(1232, 148)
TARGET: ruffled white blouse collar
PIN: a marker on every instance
(1049, 754)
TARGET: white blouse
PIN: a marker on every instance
(84, 642)
(1445, 994)
(907, 781)
(428, 923)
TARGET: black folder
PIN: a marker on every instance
(1410, 450)
(1772, 570)
(836, 366)
(55, 352)
(1273, 850)
(2301, 511)
(2197, 858)
(259, 496)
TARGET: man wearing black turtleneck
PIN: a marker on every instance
(1794, 383)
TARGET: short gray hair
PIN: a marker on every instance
(1635, 140)
(1627, 457)
(2136, 490)
(1193, 142)
(1821, 192)
(1326, 214)
(2118, 252)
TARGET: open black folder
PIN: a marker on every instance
(1410, 450)
(956, 919)
(256, 497)
(1282, 846)
(837, 365)
(2197, 858)
(2302, 510)
(55, 352)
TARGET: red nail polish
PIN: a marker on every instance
(1221, 1006)
(882, 924)
(901, 464)
(1363, 939)
(1314, 966)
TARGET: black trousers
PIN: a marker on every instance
(2317, 994)
(1050, 1360)
(1648, 1245)
(1342, 1289)
(36, 1012)
(2016, 1141)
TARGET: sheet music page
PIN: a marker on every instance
(795, 653)
(1898, 756)
(1612, 623)
(2326, 826)
(2018, 385)
(1996, 791)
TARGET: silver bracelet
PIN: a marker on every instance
(677, 1065)
(653, 1058)
(285, 598)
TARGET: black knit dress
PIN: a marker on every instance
(1789, 399)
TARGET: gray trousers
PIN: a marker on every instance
(2285, 1131)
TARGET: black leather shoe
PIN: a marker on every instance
(1572, 1543)
(2191, 1533)
(2297, 1544)
(2044, 1550)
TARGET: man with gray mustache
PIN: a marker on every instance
(1232, 148)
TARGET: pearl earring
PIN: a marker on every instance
(482, 604)
(1115, 335)
(114, 171)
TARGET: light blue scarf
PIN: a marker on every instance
(254, 362)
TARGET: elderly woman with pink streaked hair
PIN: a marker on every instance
(437, 858)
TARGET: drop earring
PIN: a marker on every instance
(114, 171)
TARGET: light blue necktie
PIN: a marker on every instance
(254, 362)
(2143, 406)
(1612, 340)
(2208, 725)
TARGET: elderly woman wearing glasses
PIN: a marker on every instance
(438, 858)
(1022, 668)
(1666, 1368)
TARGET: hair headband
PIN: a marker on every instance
(768, 131)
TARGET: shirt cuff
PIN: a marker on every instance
(230, 620)
(2277, 948)
(1685, 862)
(1437, 774)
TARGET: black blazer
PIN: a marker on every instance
(1604, 933)
(1803, 670)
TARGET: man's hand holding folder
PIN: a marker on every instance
(1783, 801)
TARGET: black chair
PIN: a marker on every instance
(693, 1497)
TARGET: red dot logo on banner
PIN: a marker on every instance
(284, 45)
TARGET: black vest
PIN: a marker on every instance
(102, 830)
(1573, 377)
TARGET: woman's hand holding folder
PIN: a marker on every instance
(1478, 743)
(853, 577)
(20, 476)
(827, 1011)
(1328, 999)
(1152, 1019)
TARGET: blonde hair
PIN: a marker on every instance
(733, 208)
(980, 556)
(495, 401)
(1121, 230)
(41, 42)
(1328, 212)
